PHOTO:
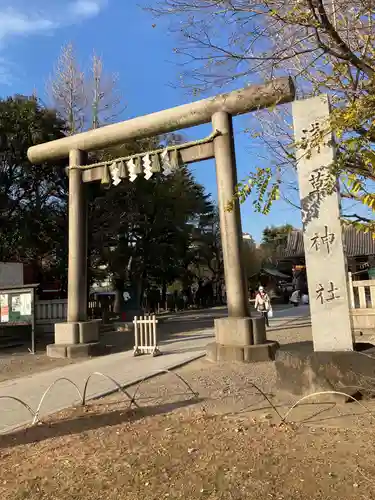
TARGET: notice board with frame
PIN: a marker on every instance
(17, 308)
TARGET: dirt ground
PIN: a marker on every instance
(20, 363)
(227, 442)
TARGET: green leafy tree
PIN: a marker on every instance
(274, 238)
(142, 231)
(253, 257)
(139, 232)
(209, 253)
(32, 198)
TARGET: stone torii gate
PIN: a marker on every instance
(79, 335)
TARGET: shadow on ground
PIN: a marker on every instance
(289, 326)
(190, 323)
(87, 420)
(304, 345)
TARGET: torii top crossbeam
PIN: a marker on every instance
(238, 102)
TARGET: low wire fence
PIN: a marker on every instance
(82, 394)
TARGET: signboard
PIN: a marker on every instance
(4, 308)
(17, 309)
(371, 273)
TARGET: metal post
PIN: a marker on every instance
(77, 260)
(230, 222)
(33, 321)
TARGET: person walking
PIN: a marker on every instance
(263, 304)
(295, 298)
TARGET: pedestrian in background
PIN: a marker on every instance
(263, 304)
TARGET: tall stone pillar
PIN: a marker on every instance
(239, 337)
(322, 232)
(230, 222)
(76, 337)
(77, 262)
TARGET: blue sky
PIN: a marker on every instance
(33, 32)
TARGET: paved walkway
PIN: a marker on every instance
(123, 367)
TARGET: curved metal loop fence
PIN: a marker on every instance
(36, 415)
(352, 398)
(132, 399)
(18, 400)
(159, 372)
(83, 395)
(119, 387)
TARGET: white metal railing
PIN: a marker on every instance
(362, 293)
(51, 309)
(55, 310)
(145, 341)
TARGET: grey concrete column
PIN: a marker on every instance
(77, 261)
(230, 222)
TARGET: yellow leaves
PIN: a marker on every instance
(362, 227)
(369, 157)
(354, 184)
(356, 187)
(261, 187)
(369, 201)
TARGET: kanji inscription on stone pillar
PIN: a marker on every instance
(322, 230)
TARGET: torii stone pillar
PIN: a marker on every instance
(230, 222)
(238, 332)
(77, 260)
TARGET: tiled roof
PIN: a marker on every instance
(357, 243)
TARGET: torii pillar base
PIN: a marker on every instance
(76, 340)
(241, 339)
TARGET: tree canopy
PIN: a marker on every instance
(140, 232)
(143, 231)
(32, 198)
(327, 47)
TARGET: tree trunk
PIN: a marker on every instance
(164, 294)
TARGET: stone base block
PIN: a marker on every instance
(56, 350)
(66, 333)
(244, 354)
(261, 352)
(76, 350)
(240, 331)
(301, 371)
(89, 331)
(84, 350)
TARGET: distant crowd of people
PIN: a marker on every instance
(205, 293)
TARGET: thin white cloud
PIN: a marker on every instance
(23, 21)
(86, 8)
(14, 23)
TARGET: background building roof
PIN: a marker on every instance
(357, 243)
